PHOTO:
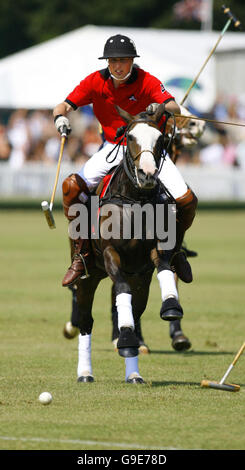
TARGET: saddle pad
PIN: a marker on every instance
(106, 182)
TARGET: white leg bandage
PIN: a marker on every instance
(124, 309)
(84, 355)
(167, 284)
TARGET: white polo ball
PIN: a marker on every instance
(45, 398)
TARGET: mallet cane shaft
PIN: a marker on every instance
(233, 363)
(228, 123)
(231, 19)
(63, 139)
(47, 208)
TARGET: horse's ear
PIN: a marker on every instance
(124, 114)
(159, 112)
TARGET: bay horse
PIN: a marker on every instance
(130, 261)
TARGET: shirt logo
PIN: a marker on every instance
(132, 98)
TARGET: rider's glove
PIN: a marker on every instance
(62, 124)
(151, 109)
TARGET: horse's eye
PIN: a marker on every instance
(130, 137)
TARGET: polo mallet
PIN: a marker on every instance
(237, 24)
(46, 207)
(221, 385)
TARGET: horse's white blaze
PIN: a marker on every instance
(146, 137)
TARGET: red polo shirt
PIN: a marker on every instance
(134, 96)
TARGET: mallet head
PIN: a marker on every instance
(48, 214)
(219, 386)
(232, 17)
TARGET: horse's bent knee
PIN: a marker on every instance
(112, 265)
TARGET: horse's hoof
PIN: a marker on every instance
(128, 352)
(181, 343)
(70, 331)
(114, 342)
(85, 378)
(135, 379)
(171, 310)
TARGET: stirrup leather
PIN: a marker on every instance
(86, 275)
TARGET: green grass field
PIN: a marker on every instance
(171, 411)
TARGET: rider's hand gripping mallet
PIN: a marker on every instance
(221, 385)
(46, 207)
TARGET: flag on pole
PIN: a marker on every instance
(195, 10)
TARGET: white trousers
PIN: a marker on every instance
(97, 167)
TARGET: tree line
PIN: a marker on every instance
(25, 23)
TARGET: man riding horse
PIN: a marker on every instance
(131, 88)
(187, 136)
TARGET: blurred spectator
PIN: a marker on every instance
(91, 140)
(5, 146)
(222, 152)
(240, 155)
(19, 137)
(29, 136)
(219, 110)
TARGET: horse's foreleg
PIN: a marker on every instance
(85, 296)
(122, 288)
(180, 342)
(127, 343)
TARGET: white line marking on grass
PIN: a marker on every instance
(123, 445)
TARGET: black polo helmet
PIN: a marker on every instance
(119, 46)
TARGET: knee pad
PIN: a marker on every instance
(75, 190)
(186, 208)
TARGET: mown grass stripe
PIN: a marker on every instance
(122, 445)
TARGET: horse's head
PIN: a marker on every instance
(144, 146)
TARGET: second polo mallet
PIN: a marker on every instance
(221, 385)
(46, 207)
(237, 24)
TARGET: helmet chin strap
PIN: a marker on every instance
(124, 78)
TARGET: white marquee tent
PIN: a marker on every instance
(43, 75)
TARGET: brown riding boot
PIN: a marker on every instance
(76, 191)
(81, 260)
(186, 208)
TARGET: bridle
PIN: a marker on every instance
(129, 160)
